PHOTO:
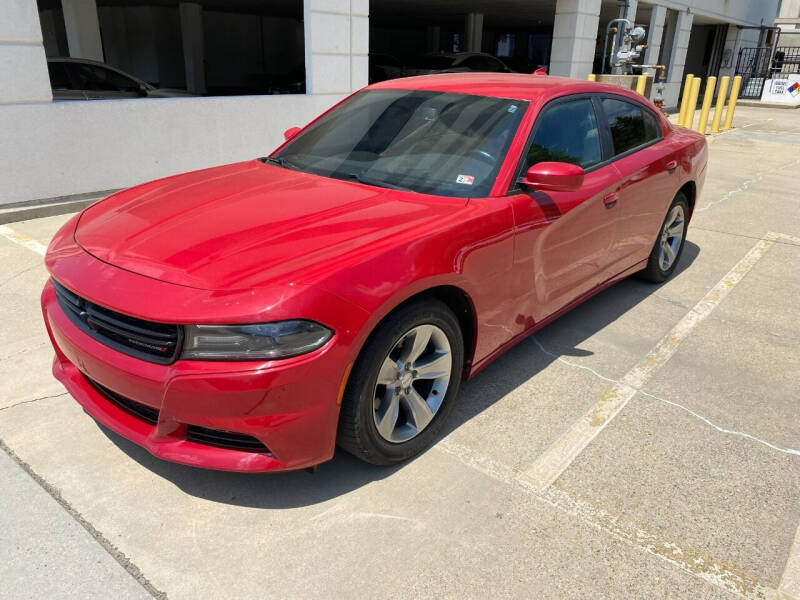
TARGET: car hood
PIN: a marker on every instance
(252, 225)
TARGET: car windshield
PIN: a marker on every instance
(423, 141)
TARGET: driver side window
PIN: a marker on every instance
(567, 132)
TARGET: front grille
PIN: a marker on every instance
(224, 439)
(148, 414)
(194, 433)
(153, 342)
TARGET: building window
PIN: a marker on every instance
(170, 48)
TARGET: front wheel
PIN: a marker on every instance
(403, 384)
(668, 247)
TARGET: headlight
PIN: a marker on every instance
(263, 341)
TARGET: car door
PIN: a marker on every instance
(562, 239)
(647, 167)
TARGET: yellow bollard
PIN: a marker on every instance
(692, 105)
(723, 89)
(708, 96)
(687, 91)
(641, 83)
(591, 77)
(737, 83)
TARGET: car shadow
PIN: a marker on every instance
(344, 473)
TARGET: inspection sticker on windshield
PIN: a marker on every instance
(465, 179)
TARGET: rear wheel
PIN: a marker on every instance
(403, 384)
(669, 245)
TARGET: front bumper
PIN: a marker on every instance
(288, 405)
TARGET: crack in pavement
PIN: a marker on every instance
(707, 421)
(115, 553)
(18, 273)
(33, 400)
(27, 350)
(744, 186)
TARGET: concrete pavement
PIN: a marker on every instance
(46, 552)
(689, 488)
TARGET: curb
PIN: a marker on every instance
(48, 207)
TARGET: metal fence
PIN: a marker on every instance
(785, 61)
(756, 65)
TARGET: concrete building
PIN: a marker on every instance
(261, 66)
(789, 17)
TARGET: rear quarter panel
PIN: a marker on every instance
(692, 155)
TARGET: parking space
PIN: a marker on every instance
(647, 444)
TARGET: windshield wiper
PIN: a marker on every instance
(375, 182)
(280, 161)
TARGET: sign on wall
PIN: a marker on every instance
(785, 90)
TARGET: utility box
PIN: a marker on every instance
(627, 82)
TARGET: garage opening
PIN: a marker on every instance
(417, 37)
(158, 48)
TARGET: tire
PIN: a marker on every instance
(655, 270)
(368, 399)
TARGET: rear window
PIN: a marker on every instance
(631, 125)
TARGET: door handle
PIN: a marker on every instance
(610, 200)
(672, 165)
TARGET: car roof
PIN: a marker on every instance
(77, 60)
(520, 86)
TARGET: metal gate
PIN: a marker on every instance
(754, 67)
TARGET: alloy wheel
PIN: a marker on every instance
(412, 383)
(671, 237)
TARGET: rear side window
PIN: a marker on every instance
(567, 132)
(630, 125)
(59, 80)
(98, 79)
(651, 125)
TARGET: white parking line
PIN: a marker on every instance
(22, 240)
(788, 238)
(691, 560)
(555, 460)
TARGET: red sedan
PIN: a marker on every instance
(250, 317)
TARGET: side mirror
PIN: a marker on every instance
(554, 177)
(290, 133)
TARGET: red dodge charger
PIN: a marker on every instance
(252, 316)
